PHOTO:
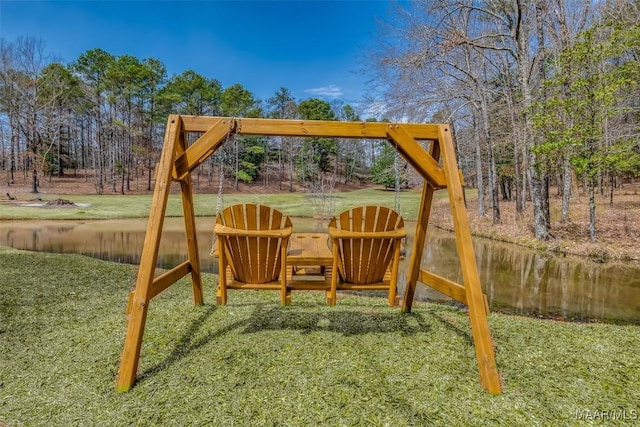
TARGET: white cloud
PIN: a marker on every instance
(331, 91)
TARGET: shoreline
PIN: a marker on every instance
(619, 241)
(617, 224)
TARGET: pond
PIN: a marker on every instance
(515, 279)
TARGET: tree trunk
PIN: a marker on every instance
(612, 180)
(14, 143)
(566, 189)
(517, 176)
(34, 181)
(149, 173)
(592, 211)
(525, 63)
(545, 199)
(291, 175)
(292, 144)
(59, 161)
(495, 196)
(123, 177)
(112, 170)
(34, 148)
(479, 180)
(541, 229)
(517, 172)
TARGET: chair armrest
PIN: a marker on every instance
(336, 233)
(223, 230)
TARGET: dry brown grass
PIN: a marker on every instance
(83, 182)
(617, 225)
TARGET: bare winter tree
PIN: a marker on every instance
(23, 62)
(283, 106)
(472, 57)
(435, 68)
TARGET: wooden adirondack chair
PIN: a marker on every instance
(365, 241)
(252, 249)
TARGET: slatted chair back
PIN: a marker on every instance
(252, 242)
(366, 244)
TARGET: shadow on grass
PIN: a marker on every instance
(345, 322)
(305, 319)
(186, 343)
(448, 324)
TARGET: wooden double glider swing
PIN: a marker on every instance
(179, 159)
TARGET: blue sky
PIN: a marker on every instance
(313, 48)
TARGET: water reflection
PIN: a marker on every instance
(528, 281)
(514, 279)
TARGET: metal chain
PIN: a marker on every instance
(396, 166)
(230, 135)
(220, 201)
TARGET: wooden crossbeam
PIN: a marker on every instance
(310, 128)
(170, 277)
(204, 147)
(415, 155)
(444, 286)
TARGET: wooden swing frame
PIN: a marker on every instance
(178, 159)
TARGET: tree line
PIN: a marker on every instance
(540, 94)
(108, 113)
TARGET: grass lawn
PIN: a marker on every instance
(254, 363)
(138, 206)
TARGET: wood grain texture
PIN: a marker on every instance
(366, 245)
(253, 239)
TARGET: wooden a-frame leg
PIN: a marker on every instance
(140, 301)
(419, 240)
(420, 236)
(190, 227)
(475, 299)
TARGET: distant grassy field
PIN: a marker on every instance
(254, 363)
(138, 206)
